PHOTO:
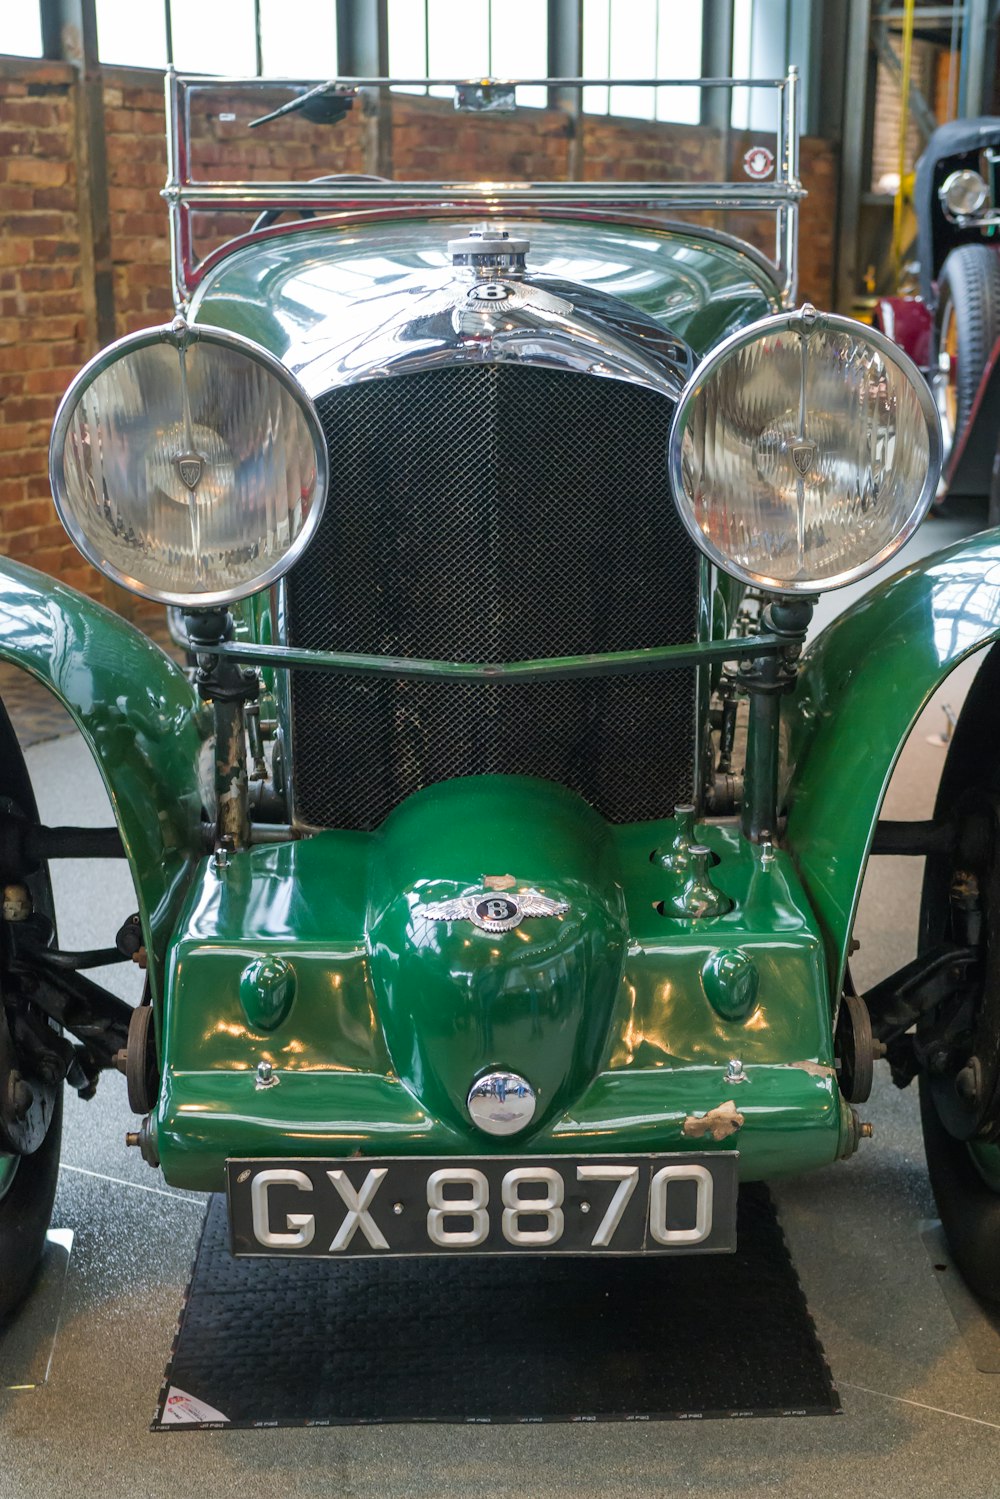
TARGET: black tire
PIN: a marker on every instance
(968, 325)
(26, 1206)
(969, 1207)
(970, 1210)
(25, 1211)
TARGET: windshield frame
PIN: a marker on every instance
(186, 196)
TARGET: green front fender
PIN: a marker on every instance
(863, 685)
(141, 720)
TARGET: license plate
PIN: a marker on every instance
(663, 1204)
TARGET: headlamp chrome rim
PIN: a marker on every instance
(180, 333)
(801, 318)
(947, 191)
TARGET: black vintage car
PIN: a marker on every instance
(951, 328)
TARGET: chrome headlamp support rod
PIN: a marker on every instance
(222, 683)
(786, 250)
(765, 679)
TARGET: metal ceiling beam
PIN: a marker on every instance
(826, 66)
(565, 60)
(362, 38)
(973, 99)
(69, 34)
(854, 159)
(363, 52)
(716, 61)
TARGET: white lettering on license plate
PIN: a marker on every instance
(461, 1217)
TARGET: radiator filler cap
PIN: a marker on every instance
(489, 249)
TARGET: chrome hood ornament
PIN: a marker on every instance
(491, 910)
(486, 307)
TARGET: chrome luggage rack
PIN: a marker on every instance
(185, 196)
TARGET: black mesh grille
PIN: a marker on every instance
(492, 513)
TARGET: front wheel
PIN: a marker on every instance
(968, 325)
(965, 1177)
(27, 1178)
(957, 1043)
(27, 1191)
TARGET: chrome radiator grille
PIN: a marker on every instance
(493, 513)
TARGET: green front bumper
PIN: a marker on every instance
(793, 1120)
(610, 1012)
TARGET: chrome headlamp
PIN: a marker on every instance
(804, 451)
(962, 195)
(188, 465)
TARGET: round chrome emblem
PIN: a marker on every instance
(491, 911)
(489, 291)
(496, 913)
(501, 1103)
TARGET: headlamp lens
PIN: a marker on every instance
(187, 465)
(804, 451)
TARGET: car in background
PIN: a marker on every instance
(952, 327)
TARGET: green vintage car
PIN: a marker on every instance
(497, 856)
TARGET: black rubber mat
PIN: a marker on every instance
(500, 1339)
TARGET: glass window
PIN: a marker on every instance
(596, 53)
(298, 38)
(133, 36)
(767, 36)
(217, 37)
(408, 42)
(21, 30)
(519, 46)
(469, 39)
(643, 39)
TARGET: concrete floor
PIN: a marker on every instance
(920, 1419)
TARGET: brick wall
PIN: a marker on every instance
(637, 150)
(137, 169)
(430, 141)
(42, 324)
(45, 334)
(888, 110)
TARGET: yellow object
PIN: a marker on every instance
(904, 120)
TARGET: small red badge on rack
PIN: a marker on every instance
(758, 162)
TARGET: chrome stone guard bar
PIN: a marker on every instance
(185, 196)
(651, 658)
(767, 669)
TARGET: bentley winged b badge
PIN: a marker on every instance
(492, 910)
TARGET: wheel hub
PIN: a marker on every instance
(961, 1039)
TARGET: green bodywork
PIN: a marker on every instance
(863, 686)
(700, 288)
(141, 721)
(363, 1069)
(313, 955)
(618, 1012)
(395, 1014)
